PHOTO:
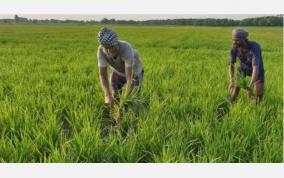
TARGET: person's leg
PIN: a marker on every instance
(117, 83)
(259, 87)
(137, 83)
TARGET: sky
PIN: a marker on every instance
(132, 16)
(122, 9)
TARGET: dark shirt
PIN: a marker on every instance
(251, 58)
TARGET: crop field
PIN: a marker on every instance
(52, 106)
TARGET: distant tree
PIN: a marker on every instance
(16, 18)
(104, 21)
(276, 20)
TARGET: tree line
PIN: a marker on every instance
(258, 21)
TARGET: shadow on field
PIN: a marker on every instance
(221, 109)
(64, 115)
(7, 92)
(123, 119)
(193, 112)
(111, 124)
(107, 121)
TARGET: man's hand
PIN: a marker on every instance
(109, 101)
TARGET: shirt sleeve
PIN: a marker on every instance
(101, 58)
(128, 56)
(256, 56)
(233, 55)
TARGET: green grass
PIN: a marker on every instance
(51, 103)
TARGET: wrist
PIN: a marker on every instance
(107, 95)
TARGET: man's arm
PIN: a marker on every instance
(102, 63)
(105, 85)
(255, 64)
(232, 61)
(254, 75)
(128, 75)
(128, 57)
(231, 73)
(253, 79)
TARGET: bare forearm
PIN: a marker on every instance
(231, 73)
(128, 74)
(104, 82)
(105, 86)
(254, 75)
(129, 88)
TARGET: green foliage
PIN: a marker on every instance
(242, 81)
(52, 110)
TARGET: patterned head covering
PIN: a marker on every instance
(107, 37)
(239, 33)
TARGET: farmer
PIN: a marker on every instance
(249, 55)
(125, 64)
